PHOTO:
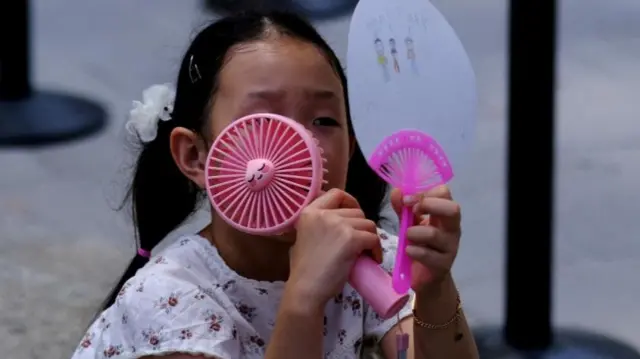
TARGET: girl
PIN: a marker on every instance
(224, 294)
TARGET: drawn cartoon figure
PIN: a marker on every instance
(394, 54)
(382, 59)
(411, 54)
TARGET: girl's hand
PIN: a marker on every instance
(331, 233)
(433, 243)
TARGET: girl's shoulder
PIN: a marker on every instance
(170, 305)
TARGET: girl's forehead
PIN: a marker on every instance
(278, 65)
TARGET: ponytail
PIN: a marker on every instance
(161, 197)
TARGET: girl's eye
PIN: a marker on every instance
(325, 121)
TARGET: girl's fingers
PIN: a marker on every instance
(440, 192)
(428, 257)
(362, 224)
(444, 211)
(437, 192)
(349, 212)
(436, 203)
(333, 199)
(376, 253)
(431, 237)
(367, 242)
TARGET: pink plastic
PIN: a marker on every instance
(374, 285)
(262, 170)
(413, 162)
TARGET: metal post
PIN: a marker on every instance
(15, 83)
(528, 331)
(29, 117)
(530, 173)
(313, 9)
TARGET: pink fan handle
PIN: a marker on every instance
(374, 285)
(402, 270)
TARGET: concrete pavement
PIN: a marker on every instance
(62, 245)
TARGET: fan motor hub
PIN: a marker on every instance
(259, 174)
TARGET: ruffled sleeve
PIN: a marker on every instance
(374, 326)
(160, 315)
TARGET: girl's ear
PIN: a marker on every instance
(189, 152)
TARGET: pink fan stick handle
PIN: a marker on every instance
(413, 162)
(402, 270)
(374, 285)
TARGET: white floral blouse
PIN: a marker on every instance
(186, 300)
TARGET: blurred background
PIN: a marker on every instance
(62, 244)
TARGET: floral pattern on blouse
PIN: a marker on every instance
(186, 300)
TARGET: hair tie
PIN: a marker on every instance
(144, 253)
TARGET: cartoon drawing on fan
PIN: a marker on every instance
(411, 54)
(382, 59)
(259, 174)
(394, 55)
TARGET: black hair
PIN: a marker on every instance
(162, 198)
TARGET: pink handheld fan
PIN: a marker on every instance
(413, 162)
(262, 170)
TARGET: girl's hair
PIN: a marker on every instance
(162, 197)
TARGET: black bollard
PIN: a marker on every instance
(532, 47)
(528, 331)
(29, 117)
(15, 83)
(312, 9)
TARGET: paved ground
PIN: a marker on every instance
(62, 245)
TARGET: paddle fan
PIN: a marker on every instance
(409, 76)
(262, 170)
(413, 162)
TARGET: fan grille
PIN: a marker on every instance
(262, 170)
(411, 160)
(414, 164)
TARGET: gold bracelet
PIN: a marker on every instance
(422, 324)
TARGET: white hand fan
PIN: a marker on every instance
(413, 100)
(407, 69)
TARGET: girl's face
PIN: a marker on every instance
(291, 78)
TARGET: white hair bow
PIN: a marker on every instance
(156, 106)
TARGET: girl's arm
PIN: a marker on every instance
(298, 330)
(453, 342)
